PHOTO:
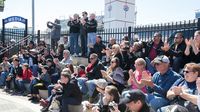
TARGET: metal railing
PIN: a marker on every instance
(15, 44)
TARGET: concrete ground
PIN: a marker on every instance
(9, 103)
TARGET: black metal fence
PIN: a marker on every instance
(145, 32)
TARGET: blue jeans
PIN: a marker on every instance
(34, 69)
(50, 88)
(156, 102)
(74, 43)
(91, 87)
(82, 85)
(3, 78)
(91, 39)
(22, 84)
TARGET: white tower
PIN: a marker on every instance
(119, 13)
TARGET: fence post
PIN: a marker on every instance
(129, 33)
(38, 36)
(198, 24)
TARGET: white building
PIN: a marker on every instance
(119, 13)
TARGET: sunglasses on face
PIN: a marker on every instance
(187, 71)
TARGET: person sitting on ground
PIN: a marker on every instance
(24, 79)
(160, 82)
(80, 71)
(112, 53)
(93, 72)
(5, 71)
(67, 59)
(114, 74)
(42, 82)
(59, 52)
(100, 87)
(183, 88)
(192, 48)
(111, 95)
(135, 101)
(98, 47)
(71, 94)
(152, 49)
(176, 52)
(136, 76)
(16, 71)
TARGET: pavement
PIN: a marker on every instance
(14, 103)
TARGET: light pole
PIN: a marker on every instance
(33, 18)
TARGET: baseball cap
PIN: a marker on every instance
(161, 59)
(132, 95)
(49, 60)
(102, 83)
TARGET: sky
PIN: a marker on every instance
(148, 11)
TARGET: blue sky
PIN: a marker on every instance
(148, 11)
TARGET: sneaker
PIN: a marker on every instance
(35, 100)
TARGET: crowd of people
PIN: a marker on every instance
(120, 77)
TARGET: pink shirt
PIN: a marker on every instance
(138, 77)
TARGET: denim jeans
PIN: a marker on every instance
(82, 85)
(50, 88)
(74, 47)
(3, 78)
(156, 102)
(91, 87)
(34, 70)
(22, 84)
(91, 39)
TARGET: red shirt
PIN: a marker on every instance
(27, 74)
(153, 53)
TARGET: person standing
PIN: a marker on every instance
(74, 24)
(91, 26)
(55, 33)
(83, 33)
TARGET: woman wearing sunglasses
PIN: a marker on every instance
(182, 89)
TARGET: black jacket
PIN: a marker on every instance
(72, 90)
(91, 26)
(98, 47)
(74, 26)
(179, 52)
(148, 46)
(96, 71)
